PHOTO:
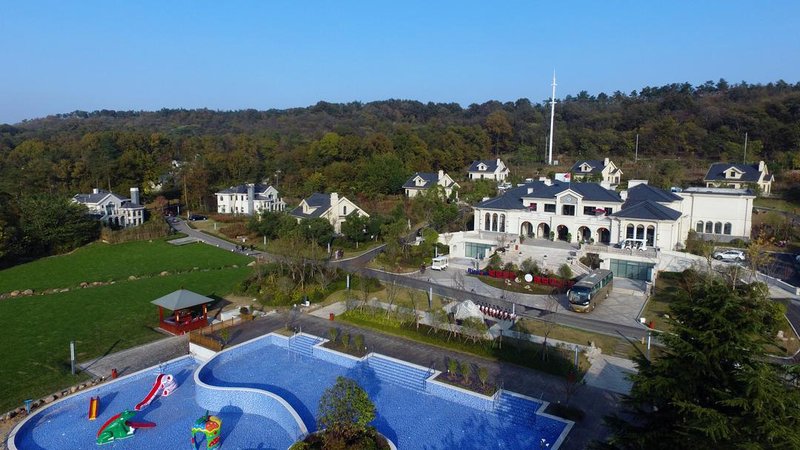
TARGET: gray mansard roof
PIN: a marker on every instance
(430, 180)
(512, 199)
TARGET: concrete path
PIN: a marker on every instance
(138, 358)
(610, 373)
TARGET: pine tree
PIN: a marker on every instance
(713, 386)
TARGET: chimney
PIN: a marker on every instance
(441, 174)
(135, 195)
(251, 194)
(605, 162)
(623, 195)
(548, 182)
(95, 191)
(334, 199)
(761, 166)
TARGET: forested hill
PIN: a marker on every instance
(370, 149)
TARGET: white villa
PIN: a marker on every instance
(249, 199)
(327, 206)
(740, 176)
(113, 209)
(422, 181)
(488, 170)
(587, 212)
(605, 169)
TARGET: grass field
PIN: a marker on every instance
(105, 262)
(401, 298)
(777, 203)
(37, 330)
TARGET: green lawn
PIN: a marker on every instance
(777, 203)
(37, 330)
(105, 262)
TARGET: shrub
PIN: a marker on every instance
(345, 403)
(483, 375)
(466, 372)
(452, 368)
(530, 266)
(332, 334)
(565, 272)
(359, 342)
(244, 310)
(346, 340)
(591, 260)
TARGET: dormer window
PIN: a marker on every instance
(586, 168)
(481, 166)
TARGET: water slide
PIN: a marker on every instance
(164, 385)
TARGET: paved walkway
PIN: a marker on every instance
(594, 401)
(138, 358)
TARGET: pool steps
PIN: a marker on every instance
(520, 410)
(402, 375)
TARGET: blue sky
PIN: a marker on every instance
(145, 55)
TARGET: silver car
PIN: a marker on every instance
(730, 255)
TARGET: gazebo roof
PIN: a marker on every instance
(181, 299)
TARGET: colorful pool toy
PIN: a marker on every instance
(94, 405)
(210, 426)
(120, 427)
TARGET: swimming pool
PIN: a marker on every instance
(266, 392)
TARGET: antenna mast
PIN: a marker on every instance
(552, 120)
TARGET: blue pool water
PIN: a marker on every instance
(412, 412)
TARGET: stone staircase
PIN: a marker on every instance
(403, 375)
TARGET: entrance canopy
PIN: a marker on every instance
(181, 299)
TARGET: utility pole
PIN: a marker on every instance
(552, 120)
(744, 160)
(636, 157)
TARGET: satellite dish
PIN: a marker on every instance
(528, 277)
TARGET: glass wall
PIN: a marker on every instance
(479, 251)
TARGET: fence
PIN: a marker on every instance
(204, 338)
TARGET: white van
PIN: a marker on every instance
(439, 263)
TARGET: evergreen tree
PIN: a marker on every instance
(713, 386)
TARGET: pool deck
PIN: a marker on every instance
(596, 402)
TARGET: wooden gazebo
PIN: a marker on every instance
(189, 311)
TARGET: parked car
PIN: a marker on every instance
(197, 217)
(730, 255)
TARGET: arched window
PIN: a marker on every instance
(709, 227)
(699, 227)
(718, 228)
(640, 232)
(487, 222)
(727, 229)
(494, 222)
(629, 231)
(502, 223)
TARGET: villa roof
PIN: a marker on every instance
(647, 210)
(717, 171)
(242, 189)
(512, 198)
(597, 166)
(643, 192)
(491, 166)
(322, 202)
(181, 299)
(430, 180)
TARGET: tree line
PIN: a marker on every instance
(370, 149)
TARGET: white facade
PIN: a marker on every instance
(719, 213)
(420, 182)
(740, 176)
(112, 209)
(583, 212)
(249, 199)
(606, 169)
(331, 207)
(488, 170)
